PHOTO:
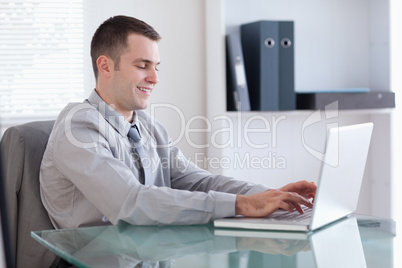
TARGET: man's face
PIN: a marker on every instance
(133, 81)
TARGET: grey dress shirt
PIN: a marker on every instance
(90, 176)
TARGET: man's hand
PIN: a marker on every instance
(289, 197)
(303, 188)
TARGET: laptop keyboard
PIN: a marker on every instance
(283, 215)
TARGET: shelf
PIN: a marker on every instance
(350, 100)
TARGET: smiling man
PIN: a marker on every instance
(93, 171)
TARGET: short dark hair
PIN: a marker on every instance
(110, 38)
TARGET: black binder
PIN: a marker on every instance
(237, 96)
(268, 49)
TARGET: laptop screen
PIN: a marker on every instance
(6, 258)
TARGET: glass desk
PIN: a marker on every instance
(357, 241)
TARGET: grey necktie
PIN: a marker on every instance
(135, 136)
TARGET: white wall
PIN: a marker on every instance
(396, 84)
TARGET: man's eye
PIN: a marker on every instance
(141, 67)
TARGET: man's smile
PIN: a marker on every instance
(145, 89)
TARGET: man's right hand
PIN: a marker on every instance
(289, 197)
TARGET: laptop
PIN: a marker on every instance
(338, 187)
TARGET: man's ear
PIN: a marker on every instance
(105, 65)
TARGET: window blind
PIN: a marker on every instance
(42, 57)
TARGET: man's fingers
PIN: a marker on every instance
(301, 187)
(285, 205)
(291, 206)
(311, 196)
(296, 200)
(264, 203)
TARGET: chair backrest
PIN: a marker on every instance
(22, 149)
(6, 257)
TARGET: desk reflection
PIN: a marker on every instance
(338, 245)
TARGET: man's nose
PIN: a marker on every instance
(153, 77)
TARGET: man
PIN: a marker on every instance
(92, 173)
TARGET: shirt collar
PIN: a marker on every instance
(116, 120)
